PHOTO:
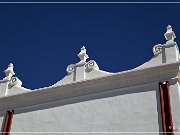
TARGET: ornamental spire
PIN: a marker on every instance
(9, 71)
(82, 55)
(169, 35)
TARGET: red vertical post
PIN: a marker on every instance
(5, 123)
(162, 108)
(166, 112)
(8, 123)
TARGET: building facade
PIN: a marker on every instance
(88, 100)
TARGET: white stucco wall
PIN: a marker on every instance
(123, 110)
(2, 115)
(175, 104)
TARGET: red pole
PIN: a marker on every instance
(5, 123)
(166, 111)
(8, 122)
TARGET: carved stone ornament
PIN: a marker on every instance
(15, 81)
(157, 49)
(83, 55)
(70, 69)
(169, 35)
(91, 65)
(9, 71)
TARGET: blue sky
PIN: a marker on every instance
(41, 40)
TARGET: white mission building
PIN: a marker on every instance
(91, 101)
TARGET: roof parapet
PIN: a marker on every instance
(82, 70)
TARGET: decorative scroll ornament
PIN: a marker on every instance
(91, 65)
(70, 69)
(15, 81)
(157, 49)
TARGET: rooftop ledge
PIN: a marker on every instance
(131, 78)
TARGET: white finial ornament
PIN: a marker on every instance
(82, 55)
(9, 71)
(169, 35)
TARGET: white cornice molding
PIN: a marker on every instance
(97, 85)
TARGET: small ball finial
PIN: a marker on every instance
(169, 27)
(10, 65)
(83, 48)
